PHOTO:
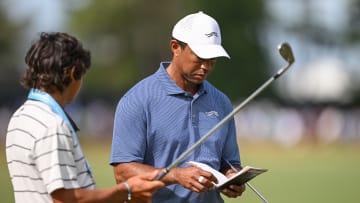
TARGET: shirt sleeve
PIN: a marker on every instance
(54, 158)
(231, 150)
(129, 134)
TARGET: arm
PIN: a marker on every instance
(187, 177)
(114, 194)
(141, 187)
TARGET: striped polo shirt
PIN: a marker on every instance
(156, 121)
(42, 155)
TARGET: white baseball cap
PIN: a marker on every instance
(202, 33)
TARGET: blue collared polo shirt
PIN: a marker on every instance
(156, 121)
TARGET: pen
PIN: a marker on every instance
(232, 167)
(247, 183)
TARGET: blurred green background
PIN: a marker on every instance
(304, 128)
(305, 173)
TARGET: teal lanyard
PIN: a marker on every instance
(44, 97)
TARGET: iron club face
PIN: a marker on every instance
(286, 52)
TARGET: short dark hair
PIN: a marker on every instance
(50, 59)
(181, 43)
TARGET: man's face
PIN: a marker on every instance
(194, 69)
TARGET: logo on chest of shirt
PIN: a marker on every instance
(212, 114)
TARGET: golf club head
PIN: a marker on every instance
(286, 52)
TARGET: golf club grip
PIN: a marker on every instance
(161, 174)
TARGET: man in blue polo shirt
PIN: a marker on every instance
(166, 113)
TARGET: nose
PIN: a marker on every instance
(204, 66)
(207, 64)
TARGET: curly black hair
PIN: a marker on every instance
(50, 59)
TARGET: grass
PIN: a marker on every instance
(305, 173)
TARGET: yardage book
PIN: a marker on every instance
(244, 175)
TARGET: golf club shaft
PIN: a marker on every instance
(247, 183)
(222, 122)
(258, 193)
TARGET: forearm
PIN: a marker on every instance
(117, 193)
(123, 171)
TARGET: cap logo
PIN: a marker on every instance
(211, 34)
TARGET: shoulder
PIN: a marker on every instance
(143, 86)
(138, 96)
(144, 89)
(41, 111)
(37, 118)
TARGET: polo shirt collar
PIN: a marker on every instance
(72, 122)
(170, 86)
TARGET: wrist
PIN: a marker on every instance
(172, 176)
(127, 186)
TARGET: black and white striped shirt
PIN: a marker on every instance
(42, 155)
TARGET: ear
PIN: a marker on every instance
(75, 73)
(175, 47)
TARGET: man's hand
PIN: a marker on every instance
(194, 178)
(143, 186)
(233, 190)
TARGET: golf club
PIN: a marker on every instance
(247, 183)
(286, 53)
